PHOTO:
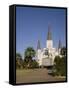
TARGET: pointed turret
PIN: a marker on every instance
(59, 44)
(49, 35)
(38, 45)
(59, 47)
(49, 42)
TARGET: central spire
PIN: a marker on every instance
(49, 42)
(49, 36)
(59, 45)
(38, 45)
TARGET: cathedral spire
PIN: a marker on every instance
(49, 42)
(59, 44)
(49, 36)
(38, 45)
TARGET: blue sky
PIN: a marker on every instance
(32, 24)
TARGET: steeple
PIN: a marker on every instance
(59, 44)
(38, 45)
(49, 36)
(49, 42)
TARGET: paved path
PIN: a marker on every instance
(36, 75)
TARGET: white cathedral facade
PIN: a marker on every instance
(45, 56)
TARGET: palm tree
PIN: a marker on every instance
(29, 54)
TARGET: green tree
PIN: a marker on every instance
(60, 66)
(29, 54)
(63, 66)
(63, 51)
(18, 56)
(34, 64)
(57, 64)
(19, 60)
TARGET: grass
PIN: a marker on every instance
(35, 75)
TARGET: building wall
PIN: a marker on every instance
(47, 60)
(49, 44)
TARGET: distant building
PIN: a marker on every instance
(45, 56)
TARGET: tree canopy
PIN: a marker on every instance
(28, 61)
(29, 52)
(63, 51)
(60, 66)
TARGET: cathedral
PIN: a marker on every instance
(45, 56)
